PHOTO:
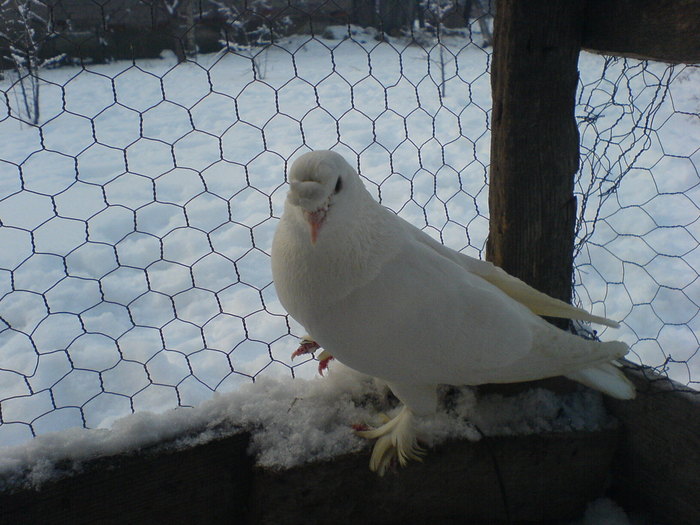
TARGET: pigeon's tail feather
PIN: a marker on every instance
(607, 378)
(540, 303)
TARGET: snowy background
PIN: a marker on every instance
(137, 219)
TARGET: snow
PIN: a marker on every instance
(146, 206)
(295, 421)
(604, 511)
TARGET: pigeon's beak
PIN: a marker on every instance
(315, 220)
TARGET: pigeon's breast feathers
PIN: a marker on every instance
(333, 236)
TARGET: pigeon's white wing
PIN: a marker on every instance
(420, 320)
(424, 319)
(536, 301)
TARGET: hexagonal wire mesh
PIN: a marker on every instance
(138, 198)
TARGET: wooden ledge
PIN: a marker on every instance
(548, 476)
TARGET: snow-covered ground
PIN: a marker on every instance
(137, 220)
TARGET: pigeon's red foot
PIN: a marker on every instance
(323, 361)
(307, 346)
(360, 427)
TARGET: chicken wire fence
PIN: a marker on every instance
(142, 172)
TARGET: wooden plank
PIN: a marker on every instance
(666, 30)
(204, 484)
(658, 466)
(545, 477)
(534, 141)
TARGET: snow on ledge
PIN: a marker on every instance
(294, 421)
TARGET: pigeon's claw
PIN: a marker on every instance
(309, 346)
(396, 441)
(323, 360)
(306, 346)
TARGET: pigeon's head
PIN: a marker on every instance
(318, 182)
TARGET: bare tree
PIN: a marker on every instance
(480, 15)
(24, 27)
(249, 29)
(181, 25)
(435, 11)
(392, 17)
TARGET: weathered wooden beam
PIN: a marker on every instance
(657, 469)
(543, 477)
(535, 141)
(666, 30)
(204, 484)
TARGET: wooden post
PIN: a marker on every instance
(534, 141)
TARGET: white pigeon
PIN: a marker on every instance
(387, 300)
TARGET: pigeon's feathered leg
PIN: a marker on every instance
(397, 439)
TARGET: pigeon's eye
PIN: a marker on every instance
(338, 185)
